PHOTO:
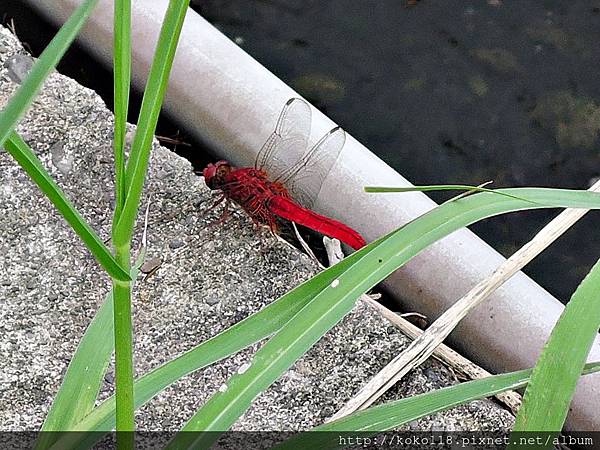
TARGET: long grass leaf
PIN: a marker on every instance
(27, 159)
(435, 187)
(20, 102)
(151, 105)
(369, 266)
(133, 183)
(426, 188)
(548, 396)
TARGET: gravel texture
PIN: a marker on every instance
(207, 278)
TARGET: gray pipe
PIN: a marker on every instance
(231, 102)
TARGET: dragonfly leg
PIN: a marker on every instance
(261, 229)
(225, 215)
(205, 211)
(273, 226)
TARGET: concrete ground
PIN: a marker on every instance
(209, 278)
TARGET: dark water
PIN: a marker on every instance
(446, 92)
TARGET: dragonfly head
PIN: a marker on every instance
(215, 175)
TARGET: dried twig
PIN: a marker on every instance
(303, 243)
(446, 355)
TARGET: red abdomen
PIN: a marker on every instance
(288, 209)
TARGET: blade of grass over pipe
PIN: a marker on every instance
(81, 384)
(391, 415)
(20, 102)
(27, 159)
(151, 105)
(247, 332)
(102, 418)
(122, 82)
(554, 379)
(429, 187)
(369, 266)
(435, 187)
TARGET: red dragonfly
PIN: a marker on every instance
(269, 190)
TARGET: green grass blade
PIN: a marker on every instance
(368, 266)
(436, 187)
(27, 159)
(122, 82)
(425, 188)
(394, 414)
(83, 380)
(548, 396)
(47, 61)
(151, 105)
(247, 332)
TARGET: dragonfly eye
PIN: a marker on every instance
(223, 170)
(215, 174)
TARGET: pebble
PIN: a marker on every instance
(18, 67)
(212, 300)
(163, 174)
(176, 243)
(327, 411)
(150, 265)
(432, 374)
(62, 161)
(109, 377)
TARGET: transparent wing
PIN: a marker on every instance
(305, 178)
(288, 142)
